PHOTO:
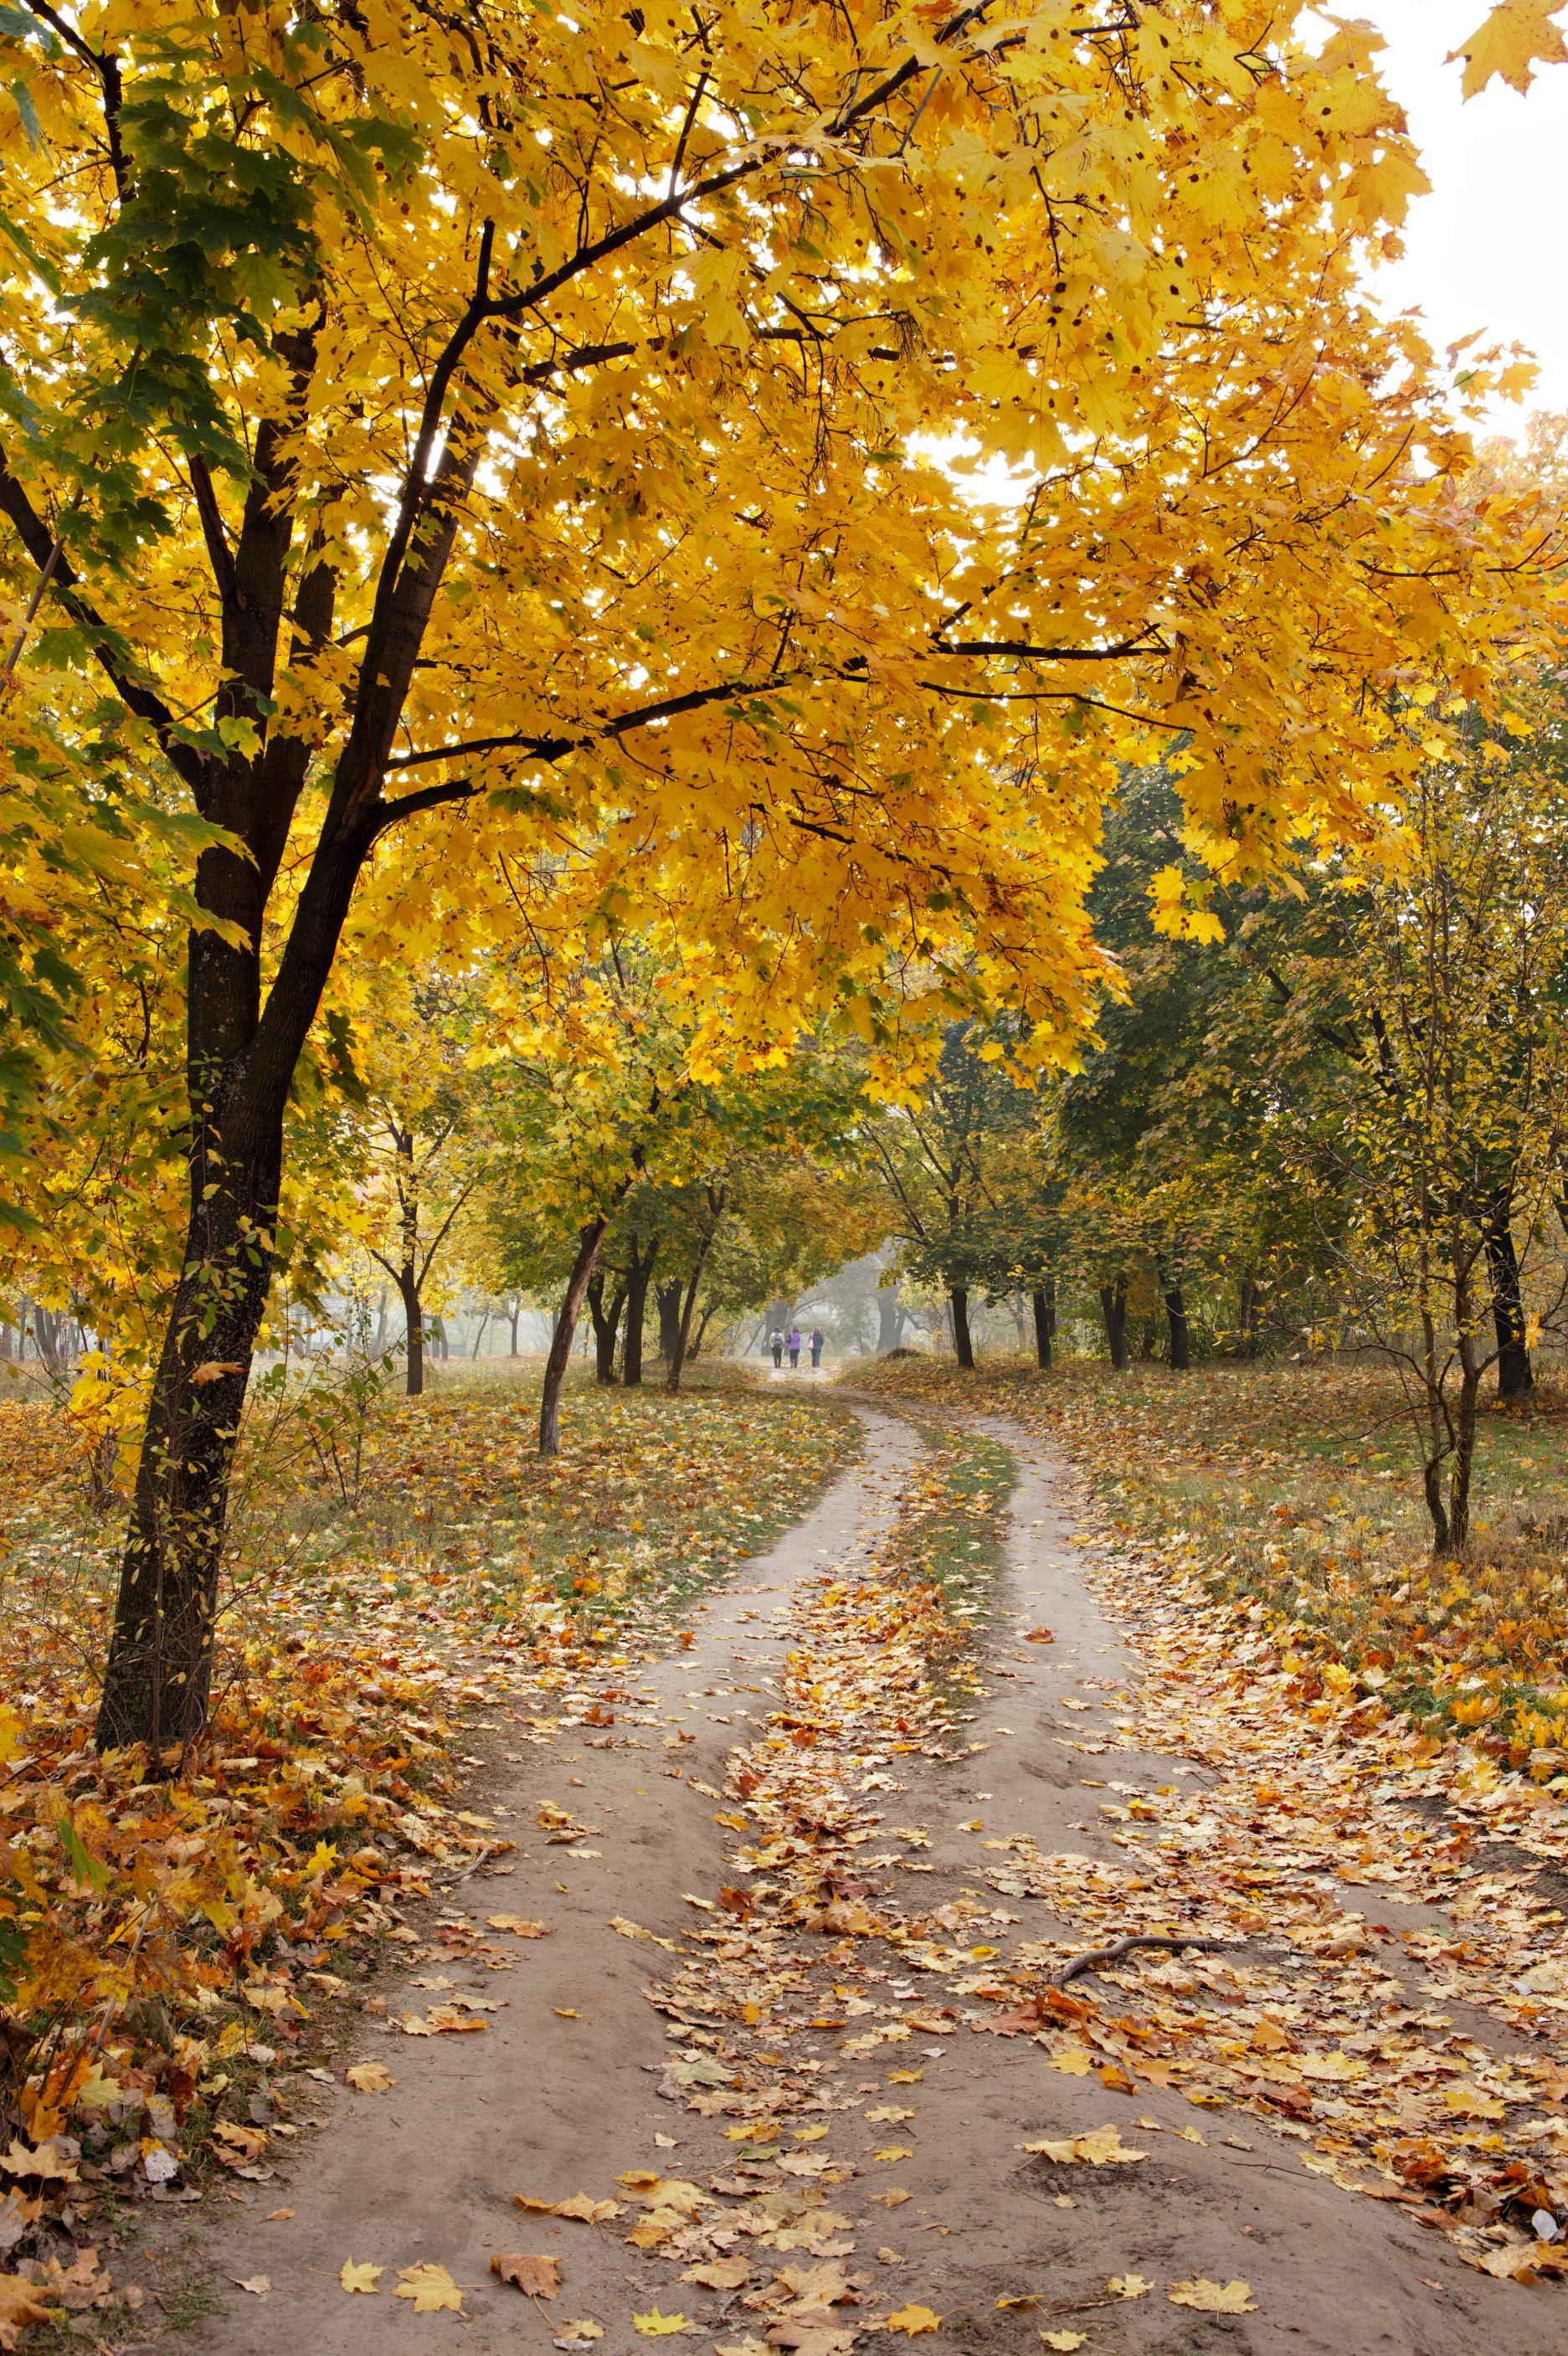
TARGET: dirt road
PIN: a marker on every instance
(813, 2133)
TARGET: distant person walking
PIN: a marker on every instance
(776, 1343)
(817, 1339)
(795, 1345)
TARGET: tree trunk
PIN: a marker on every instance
(962, 1346)
(577, 1284)
(606, 1323)
(696, 1350)
(379, 1346)
(1044, 1299)
(639, 1271)
(51, 1333)
(1113, 1308)
(716, 1201)
(242, 1054)
(1251, 1306)
(479, 1332)
(1458, 1537)
(891, 1315)
(1516, 1378)
(1175, 1318)
(669, 1298)
(413, 1325)
(158, 1681)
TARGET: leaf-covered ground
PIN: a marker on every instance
(851, 1845)
(849, 1850)
(1295, 1486)
(397, 1576)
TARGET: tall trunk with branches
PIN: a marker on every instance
(577, 1283)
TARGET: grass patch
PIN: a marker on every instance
(1298, 1485)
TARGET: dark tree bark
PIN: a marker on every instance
(414, 1325)
(890, 1316)
(669, 1298)
(1516, 1376)
(700, 1337)
(1114, 1309)
(717, 1198)
(514, 1310)
(1250, 1310)
(606, 1322)
(962, 1346)
(639, 1271)
(1044, 1301)
(1176, 1319)
(577, 1283)
(242, 1056)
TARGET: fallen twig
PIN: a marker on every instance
(1098, 1957)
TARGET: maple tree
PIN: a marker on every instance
(438, 442)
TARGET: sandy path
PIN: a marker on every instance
(539, 2104)
(544, 2104)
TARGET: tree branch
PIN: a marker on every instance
(141, 701)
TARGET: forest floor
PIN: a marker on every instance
(728, 2005)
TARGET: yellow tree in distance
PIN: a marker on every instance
(450, 435)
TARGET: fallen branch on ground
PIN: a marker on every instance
(1098, 1957)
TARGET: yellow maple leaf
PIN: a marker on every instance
(370, 2077)
(1212, 2298)
(1471, 2104)
(359, 2275)
(1064, 2339)
(654, 2326)
(430, 2286)
(1128, 2286)
(1514, 40)
(913, 2319)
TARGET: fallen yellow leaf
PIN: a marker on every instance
(1128, 2286)
(654, 2326)
(21, 2302)
(430, 2286)
(1064, 2339)
(913, 2319)
(581, 2205)
(369, 2078)
(359, 2276)
(1212, 2298)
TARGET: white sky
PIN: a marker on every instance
(1487, 249)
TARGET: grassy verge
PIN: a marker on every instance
(1296, 1485)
